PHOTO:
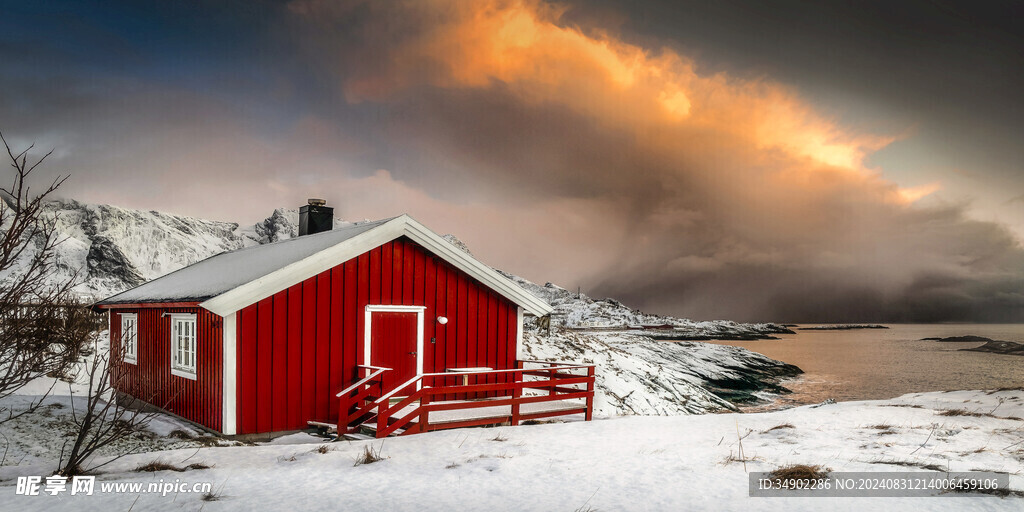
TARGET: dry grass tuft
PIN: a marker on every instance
(909, 464)
(322, 449)
(883, 429)
(499, 438)
(799, 472)
(779, 427)
(157, 465)
(736, 458)
(369, 455)
(212, 496)
(962, 412)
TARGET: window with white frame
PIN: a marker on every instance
(183, 346)
(130, 338)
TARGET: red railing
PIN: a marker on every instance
(560, 381)
(353, 408)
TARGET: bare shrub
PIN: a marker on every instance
(43, 327)
(105, 418)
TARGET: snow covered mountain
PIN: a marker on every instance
(111, 249)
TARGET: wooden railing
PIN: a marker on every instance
(549, 382)
(352, 407)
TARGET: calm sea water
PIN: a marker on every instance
(872, 364)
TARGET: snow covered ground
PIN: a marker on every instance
(623, 463)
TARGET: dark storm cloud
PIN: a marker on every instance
(666, 163)
(778, 218)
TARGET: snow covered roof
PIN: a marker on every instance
(233, 280)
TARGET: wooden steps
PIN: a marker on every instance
(357, 436)
(323, 426)
(371, 430)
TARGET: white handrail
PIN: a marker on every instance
(511, 370)
(371, 367)
(378, 370)
(466, 374)
(563, 363)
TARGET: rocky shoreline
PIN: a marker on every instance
(642, 376)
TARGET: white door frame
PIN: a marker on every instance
(386, 308)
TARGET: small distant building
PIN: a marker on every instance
(278, 336)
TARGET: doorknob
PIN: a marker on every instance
(412, 353)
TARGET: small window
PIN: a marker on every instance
(130, 338)
(183, 346)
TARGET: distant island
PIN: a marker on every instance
(959, 339)
(999, 347)
(991, 346)
(841, 327)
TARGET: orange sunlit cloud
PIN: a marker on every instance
(522, 45)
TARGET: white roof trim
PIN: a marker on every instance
(285, 277)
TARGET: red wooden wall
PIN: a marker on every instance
(298, 348)
(150, 379)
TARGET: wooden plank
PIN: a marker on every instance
(247, 369)
(363, 290)
(387, 270)
(430, 329)
(408, 265)
(265, 359)
(295, 414)
(279, 373)
(462, 325)
(419, 269)
(396, 273)
(452, 327)
(352, 318)
(336, 372)
(309, 355)
(375, 277)
(323, 345)
(474, 340)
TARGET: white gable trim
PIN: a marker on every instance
(285, 277)
(230, 367)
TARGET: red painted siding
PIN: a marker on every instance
(321, 341)
(150, 379)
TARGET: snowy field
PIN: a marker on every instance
(623, 463)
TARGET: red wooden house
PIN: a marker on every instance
(380, 324)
